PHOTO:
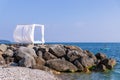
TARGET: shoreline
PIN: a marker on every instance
(55, 58)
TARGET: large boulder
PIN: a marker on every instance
(39, 53)
(100, 56)
(48, 56)
(73, 48)
(109, 63)
(87, 62)
(57, 50)
(40, 61)
(27, 61)
(2, 61)
(3, 47)
(78, 65)
(26, 57)
(61, 65)
(73, 55)
(35, 48)
(22, 51)
(9, 52)
(90, 55)
(43, 50)
(101, 67)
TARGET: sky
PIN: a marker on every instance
(64, 20)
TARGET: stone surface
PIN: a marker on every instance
(3, 47)
(27, 61)
(73, 55)
(100, 56)
(2, 61)
(87, 62)
(9, 52)
(90, 55)
(57, 50)
(43, 50)
(78, 65)
(22, 51)
(109, 63)
(73, 48)
(40, 61)
(48, 56)
(101, 67)
(61, 65)
(39, 53)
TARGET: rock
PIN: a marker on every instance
(79, 65)
(112, 62)
(26, 57)
(48, 56)
(3, 47)
(43, 50)
(1, 52)
(90, 54)
(62, 58)
(41, 67)
(100, 56)
(86, 62)
(30, 46)
(101, 67)
(13, 64)
(47, 47)
(9, 52)
(12, 48)
(73, 55)
(109, 63)
(74, 48)
(61, 65)
(35, 49)
(39, 53)
(57, 50)
(40, 61)
(2, 61)
(22, 51)
(86, 70)
(27, 61)
(9, 60)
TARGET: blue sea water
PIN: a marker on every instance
(112, 50)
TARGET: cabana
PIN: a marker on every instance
(25, 34)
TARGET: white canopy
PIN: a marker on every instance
(25, 33)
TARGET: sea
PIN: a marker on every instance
(112, 50)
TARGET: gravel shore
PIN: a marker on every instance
(21, 73)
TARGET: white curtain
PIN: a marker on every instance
(25, 33)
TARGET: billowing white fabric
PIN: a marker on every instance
(25, 33)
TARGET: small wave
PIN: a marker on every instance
(117, 71)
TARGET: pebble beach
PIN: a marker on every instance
(22, 73)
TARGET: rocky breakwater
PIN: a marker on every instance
(54, 58)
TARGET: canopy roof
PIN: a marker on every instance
(25, 33)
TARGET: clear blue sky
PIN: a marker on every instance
(64, 20)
